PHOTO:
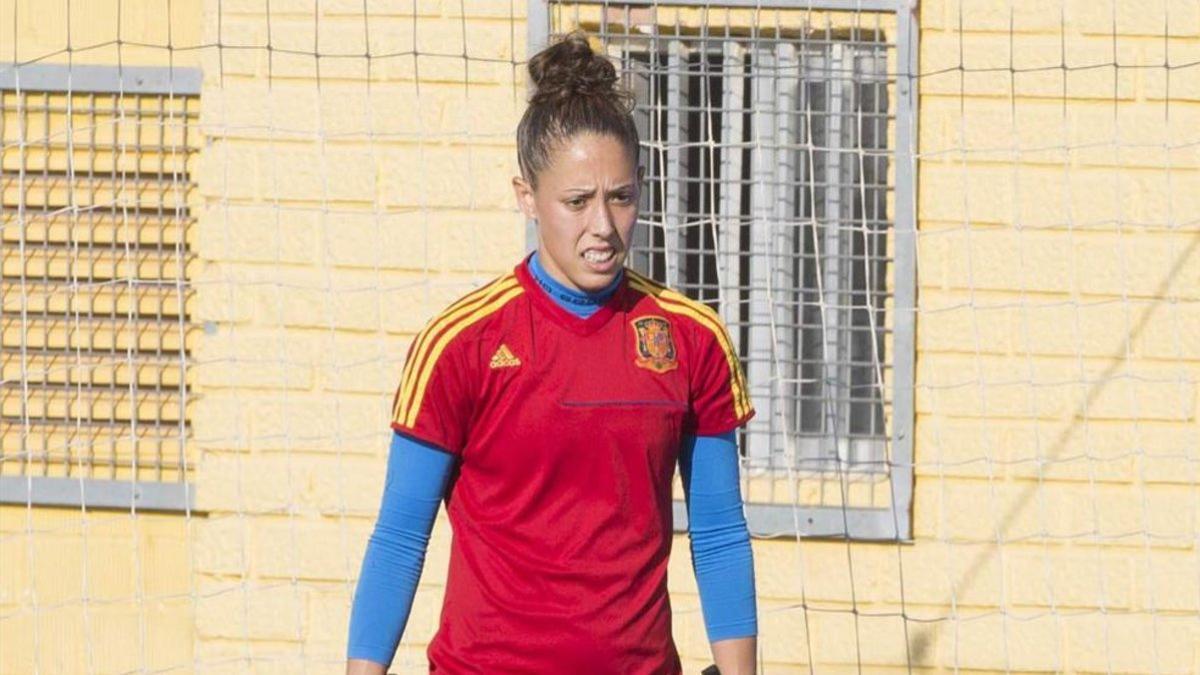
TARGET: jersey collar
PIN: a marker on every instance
(547, 305)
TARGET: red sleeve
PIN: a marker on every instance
(719, 398)
(433, 401)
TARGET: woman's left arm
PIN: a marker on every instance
(721, 555)
(735, 656)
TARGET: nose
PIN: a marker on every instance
(602, 222)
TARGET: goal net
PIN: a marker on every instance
(956, 246)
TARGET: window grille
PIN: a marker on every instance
(770, 208)
(96, 222)
(775, 184)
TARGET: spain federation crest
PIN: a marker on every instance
(655, 348)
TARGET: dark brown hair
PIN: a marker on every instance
(575, 91)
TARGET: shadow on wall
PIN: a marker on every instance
(919, 644)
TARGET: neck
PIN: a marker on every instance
(580, 303)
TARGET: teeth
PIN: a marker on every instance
(598, 257)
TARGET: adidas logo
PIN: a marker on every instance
(504, 358)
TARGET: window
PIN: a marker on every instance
(775, 189)
(96, 187)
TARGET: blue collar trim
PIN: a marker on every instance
(579, 303)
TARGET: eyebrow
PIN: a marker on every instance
(592, 191)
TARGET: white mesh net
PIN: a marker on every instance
(970, 321)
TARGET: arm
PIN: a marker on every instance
(735, 656)
(721, 555)
(416, 481)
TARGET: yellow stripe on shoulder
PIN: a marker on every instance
(468, 315)
(673, 301)
(421, 343)
(424, 339)
(667, 293)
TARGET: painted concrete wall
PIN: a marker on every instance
(1057, 484)
(101, 591)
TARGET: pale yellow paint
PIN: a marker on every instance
(147, 32)
(1055, 517)
(102, 592)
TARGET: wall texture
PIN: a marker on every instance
(100, 591)
(344, 200)
(339, 217)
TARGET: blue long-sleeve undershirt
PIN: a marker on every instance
(580, 303)
(417, 476)
(721, 555)
(416, 481)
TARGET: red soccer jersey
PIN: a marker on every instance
(567, 431)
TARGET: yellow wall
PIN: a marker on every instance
(337, 222)
(337, 219)
(141, 33)
(1070, 505)
(100, 592)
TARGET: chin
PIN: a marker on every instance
(592, 280)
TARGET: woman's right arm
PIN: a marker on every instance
(417, 474)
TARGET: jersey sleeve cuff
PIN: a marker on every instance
(732, 631)
(374, 653)
(724, 426)
(425, 437)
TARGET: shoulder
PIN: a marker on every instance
(437, 348)
(714, 359)
(473, 310)
(695, 318)
(447, 330)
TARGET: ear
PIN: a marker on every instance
(524, 194)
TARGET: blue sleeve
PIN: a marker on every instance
(416, 481)
(721, 555)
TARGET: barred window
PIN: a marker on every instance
(96, 189)
(776, 184)
(766, 200)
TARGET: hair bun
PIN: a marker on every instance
(570, 68)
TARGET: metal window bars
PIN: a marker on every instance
(95, 224)
(776, 183)
(766, 196)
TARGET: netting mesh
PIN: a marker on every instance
(970, 321)
(769, 137)
(95, 264)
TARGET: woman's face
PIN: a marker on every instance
(585, 204)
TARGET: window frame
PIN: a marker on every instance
(892, 523)
(87, 492)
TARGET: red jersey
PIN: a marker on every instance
(567, 432)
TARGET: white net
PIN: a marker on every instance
(965, 289)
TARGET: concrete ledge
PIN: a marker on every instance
(98, 494)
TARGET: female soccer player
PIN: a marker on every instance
(549, 408)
